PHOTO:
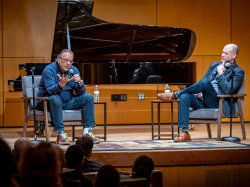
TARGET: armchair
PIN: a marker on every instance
(214, 115)
(70, 117)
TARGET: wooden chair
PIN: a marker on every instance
(70, 117)
(214, 115)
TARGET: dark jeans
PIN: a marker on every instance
(187, 99)
(84, 102)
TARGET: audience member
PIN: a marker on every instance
(7, 166)
(107, 176)
(39, 166)
(74, 159)
(60, 155)
(20, 146)
(143, 167)
(89, 165)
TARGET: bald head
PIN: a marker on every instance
(229, 53)
(233, 47)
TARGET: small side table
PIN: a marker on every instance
(159, 102)
(104, 103)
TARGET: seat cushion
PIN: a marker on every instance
(71, 115)
(204, 113)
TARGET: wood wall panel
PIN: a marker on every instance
(126, 11)
(133, 110)
(241, 36)
(1, 93)
(231, 175)
(28, 28)
(210, 20)
(1, 67)
(1, 30)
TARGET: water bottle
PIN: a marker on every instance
(96, 94)
(167, 89)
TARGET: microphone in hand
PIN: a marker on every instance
(71, 71)
(227, 65)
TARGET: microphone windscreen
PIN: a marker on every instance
(71, 71)
(227, 65)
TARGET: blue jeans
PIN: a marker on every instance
(187, 99)
(84, 102)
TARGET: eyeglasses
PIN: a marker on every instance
(64, 61)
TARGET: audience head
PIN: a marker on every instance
(87, 143)
(107, 176)
(39, 166)
(60, 155)
(20, 146)
(143, 167)
(74, 156)
(7, 166)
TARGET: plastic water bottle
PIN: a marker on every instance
(167, 89)
(96, 94)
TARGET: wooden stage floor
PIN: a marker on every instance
(201, 167)
(161, 157)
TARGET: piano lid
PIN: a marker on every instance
(92, 39)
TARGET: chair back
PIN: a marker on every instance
(27, 86)
(241, 91)
(153, 79)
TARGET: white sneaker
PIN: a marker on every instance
(94, 138)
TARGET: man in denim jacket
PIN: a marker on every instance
(62, 84)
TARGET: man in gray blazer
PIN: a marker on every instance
(203, 94)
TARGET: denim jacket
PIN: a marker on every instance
(49, 84)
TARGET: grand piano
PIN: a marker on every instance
(118, 47)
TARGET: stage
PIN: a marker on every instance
(201, 162)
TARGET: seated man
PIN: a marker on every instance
(217, 80)
(62, 84)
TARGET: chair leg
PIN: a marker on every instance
(242, 127)
(241, 119)
(219, 131)
(25, 128)
(47, 130)
(209, 130)
(73, 133)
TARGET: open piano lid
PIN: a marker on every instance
(92, 39)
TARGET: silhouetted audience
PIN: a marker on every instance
(143, 167)
(39, 166)
(20, 146)
(7, 166)
(89, 165)
(74, 157)
(107, 176)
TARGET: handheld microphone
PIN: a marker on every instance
(71, 71)
(227, 65)
(32, 69)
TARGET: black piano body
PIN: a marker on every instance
(93, 39)
(101, 42)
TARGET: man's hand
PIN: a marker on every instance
(199, 96)
(77, 78)
(221, 68)
(63, 80)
